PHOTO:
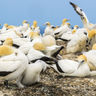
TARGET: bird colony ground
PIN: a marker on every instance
(52, 84)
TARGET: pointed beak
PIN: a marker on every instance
(80, 64)
(74, 6)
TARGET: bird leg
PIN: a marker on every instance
(19, 84)
(6, 83)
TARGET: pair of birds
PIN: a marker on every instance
(91, 28)
(82, 39)
(76, 37)
(58, 30)
(14, 64)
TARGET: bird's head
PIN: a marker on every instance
(39, 46)
(35, 24)
(56, 28)
(82, 58)
(25, 21)
(6, 48)
(64, 21)
(8, 42)
(47, 23)
(73, 31)
(6, 25)
(76, 27)
(91, 33)
(32, 35)
(68, 24)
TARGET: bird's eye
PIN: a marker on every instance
(85, 33)
(82, 61)
(89, 43)
(25, 37)
(81, 10)
(86, 41)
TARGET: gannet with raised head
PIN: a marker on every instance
(83, 17)
(35, 28)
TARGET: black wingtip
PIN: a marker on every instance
(62, 39)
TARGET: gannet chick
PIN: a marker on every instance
(32, 73)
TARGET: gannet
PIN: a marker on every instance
(69, 34)
(34, 37)
(25, 26)
(48, 30)
(78, 68)
(12, 63)
(83, 17)
(91, 38)
(32, 73)
(12, 34)
(91, 58)
(78, 41)
(35, 28)
(62, 29)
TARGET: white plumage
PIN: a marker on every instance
(32, 72)
(83, 17)
(14, 64)
(78, 42)
(72, 68)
